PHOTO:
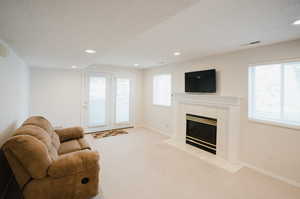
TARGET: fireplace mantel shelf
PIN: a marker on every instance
(208, 100)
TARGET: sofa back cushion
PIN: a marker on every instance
(40, 122)
(30, 153)
(45, 125)
(42, 136)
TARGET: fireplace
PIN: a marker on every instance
(201, 132)
(224, 111)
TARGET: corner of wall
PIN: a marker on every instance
(14, 86)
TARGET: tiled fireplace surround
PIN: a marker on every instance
(227, 112)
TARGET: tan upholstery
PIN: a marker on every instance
(70, 146)
(52, 164)
(69, 133)
(73, 145)
(83, 144)
(42, 136)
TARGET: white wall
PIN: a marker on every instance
(58, 95)
(270, 148)
(14, 89)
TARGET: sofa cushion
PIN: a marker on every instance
(71, 133)
(40, 122)
(83, 143)
(69, 146)
(43, 123)
(37, 132)
(30, 152)
(73, 145)
(42, 136)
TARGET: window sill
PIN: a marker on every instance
(275, 123)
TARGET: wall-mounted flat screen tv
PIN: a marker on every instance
(201, 81)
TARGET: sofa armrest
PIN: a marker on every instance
(69, 133)
(73, 163)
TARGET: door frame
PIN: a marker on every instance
(86, 101)
(111, 87)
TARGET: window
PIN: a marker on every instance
(274, 93)
(162, 90)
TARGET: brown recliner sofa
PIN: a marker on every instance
(52, 164)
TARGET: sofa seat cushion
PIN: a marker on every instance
(72, 145)
(84, 144)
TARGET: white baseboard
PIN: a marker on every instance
(271, 174)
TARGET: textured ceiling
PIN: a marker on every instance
(55, 33)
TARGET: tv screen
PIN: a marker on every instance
(201, 81)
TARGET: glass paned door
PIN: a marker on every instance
(97, 100)
(122, 111)
(108, 102)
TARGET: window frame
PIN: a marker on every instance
(153, 79)
(251, 95)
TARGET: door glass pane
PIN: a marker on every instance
(122, 100)
(267, 91)
(292, 92)
(97, 101)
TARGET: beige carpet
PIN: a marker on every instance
(141, 166)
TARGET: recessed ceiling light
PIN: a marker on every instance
(90, 51)
(136, 64)
(296, 23)
(177, 53)
(74, 66)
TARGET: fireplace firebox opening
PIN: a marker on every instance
(201, 132)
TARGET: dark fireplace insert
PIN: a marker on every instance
(201, 132)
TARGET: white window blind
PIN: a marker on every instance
(97, 101)
(123, 100)
(274, 93)
(162, 90)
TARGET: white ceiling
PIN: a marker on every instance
(55, 33)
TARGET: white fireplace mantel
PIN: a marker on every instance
(227, 112)
(207, 100)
